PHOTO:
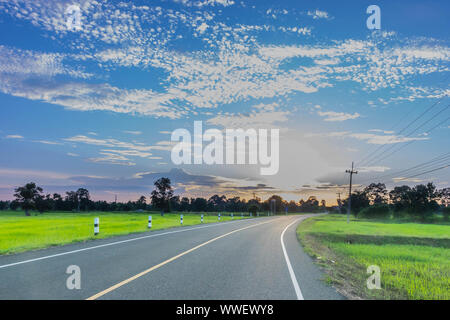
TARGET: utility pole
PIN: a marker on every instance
(350, 192)
(339, 201)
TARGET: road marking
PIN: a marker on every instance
(120, 284)
(117, 242)
(298, 292)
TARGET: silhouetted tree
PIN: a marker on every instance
(376, 193)
(162, 194)
(359, 201)
(43, 203)
(27, 195)
(141, 203)
(400, 198)
(83, 199)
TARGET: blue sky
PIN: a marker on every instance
(95, 107)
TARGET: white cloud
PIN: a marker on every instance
(325, 62)
(318, 14)
(112, 158)
(337, 116)
(14, 136)
(370, 138)
(119, 152)
(85, 97)
(202, 28)
(202, 3)
(254, 119)
(373, 169)
(383, 139)
(133, 132)
(48, 142)
(382, 131)
(232, 66)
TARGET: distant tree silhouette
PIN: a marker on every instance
(162, 194)
(27, 195)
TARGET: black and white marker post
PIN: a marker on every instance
(149, 222)
(218, 217)
(96, 226)
(201, 218)
(181, 219)
(232, 216)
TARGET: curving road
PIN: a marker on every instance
(244, 259)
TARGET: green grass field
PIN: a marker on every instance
(20, 233)
(414, 258)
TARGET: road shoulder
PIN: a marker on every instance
(310, 276)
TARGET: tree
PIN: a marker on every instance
(253, 209)
(444, 195)
(217, 203)
(292, 206)
(423, 199)
(83, 199)
(71, 200)
(185, 205)
(400, 198)
(199, 204)
(4, 205)
(141, 203)
(359, 201)
(376, 193)
(27, 195)
(310, 205)
(58, 202)
(43, 203)
(162, 194)
(278, 203)
(175, 203)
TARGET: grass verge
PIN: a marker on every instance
(414, 258)
(19, 233)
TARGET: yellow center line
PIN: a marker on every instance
(124, 282)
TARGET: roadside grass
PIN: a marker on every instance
(19, 233)
(414, 258)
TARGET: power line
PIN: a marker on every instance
(422, 173)
(411, 123)
(412, 141)
(409, 134)
(435, 161)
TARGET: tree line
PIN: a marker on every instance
(422, 200)
(372, 201)
(31, 197)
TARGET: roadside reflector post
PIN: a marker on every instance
(218, 216)
(181, 219)
(201, 218)
(257, 214)
(96, 226)
(232, 216)
(149, 222)
(242, 214)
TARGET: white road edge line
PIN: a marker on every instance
(298, 292)
(119, 242)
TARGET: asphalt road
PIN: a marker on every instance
(242, 259)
